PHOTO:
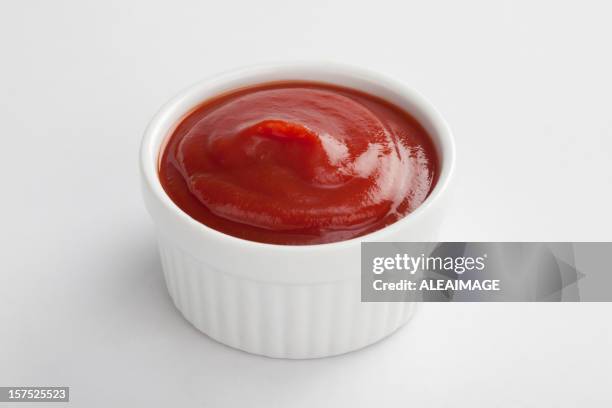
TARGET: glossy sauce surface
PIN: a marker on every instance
(298, 163)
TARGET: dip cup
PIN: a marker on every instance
(281, 300)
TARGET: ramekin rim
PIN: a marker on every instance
(149, 153)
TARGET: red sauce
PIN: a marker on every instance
(298, 163)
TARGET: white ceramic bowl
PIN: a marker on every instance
(280, 300)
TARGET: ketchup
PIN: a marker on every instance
(298, 163)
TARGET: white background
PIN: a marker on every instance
(524, 85)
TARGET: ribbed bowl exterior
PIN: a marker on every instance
(276, 319)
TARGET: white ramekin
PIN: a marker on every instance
(279, 300)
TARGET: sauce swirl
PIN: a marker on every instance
(298, 163)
